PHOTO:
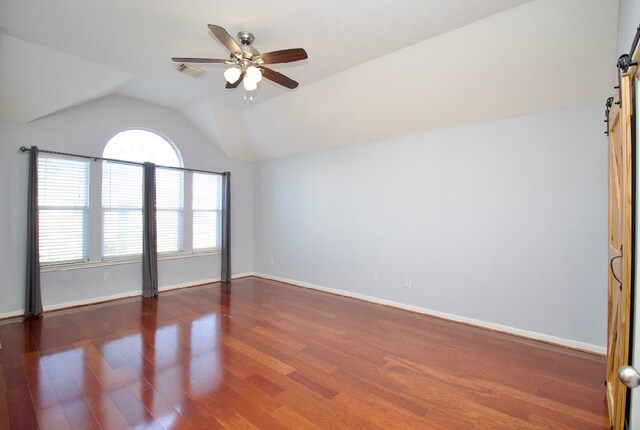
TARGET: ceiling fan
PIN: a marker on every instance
(247, 64)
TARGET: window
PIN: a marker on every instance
(207, 203)
(169, 209)
(116, 221)
(122, 194)
(63, 203)
(121, 209)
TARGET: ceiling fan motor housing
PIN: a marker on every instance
(245, 37)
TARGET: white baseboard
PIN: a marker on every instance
(91, 301)
(127, 294)
(11, 314)
(187, 284)
(244, 275)
(452, 317)
(201, 282)
(569, 343)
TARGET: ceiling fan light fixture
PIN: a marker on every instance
(232, 75)
(249, 84)
(254, 74)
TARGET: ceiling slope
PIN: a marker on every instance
(37, 81)
(223, 126)
(376, 69)
(141, 36)
(542, 55)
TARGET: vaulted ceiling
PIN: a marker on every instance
(376, 68)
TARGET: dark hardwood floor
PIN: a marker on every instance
(260, 354)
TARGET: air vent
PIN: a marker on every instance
(194, 72)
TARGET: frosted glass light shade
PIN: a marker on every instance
(232, 75)
(249, 84)
(254, 74)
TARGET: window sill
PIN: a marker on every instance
(118, 262)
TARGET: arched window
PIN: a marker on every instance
(143, 145)
(122, 193)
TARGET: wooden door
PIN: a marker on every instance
(620, 251)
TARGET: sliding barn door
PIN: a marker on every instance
(620, 251)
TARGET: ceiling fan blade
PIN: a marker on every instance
(226, 40)
(236, 83)
(284, 56)
(197, 60)
(278, 78)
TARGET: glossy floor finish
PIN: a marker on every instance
(261, 354)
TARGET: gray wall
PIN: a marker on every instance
(85, 130)
(503, 221)
(628, 21)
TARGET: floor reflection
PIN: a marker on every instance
(149, 326)
(272, 356)
(147, 373)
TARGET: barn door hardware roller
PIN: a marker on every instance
(624, 62)
(607, 109)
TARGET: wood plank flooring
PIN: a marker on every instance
(261, 354)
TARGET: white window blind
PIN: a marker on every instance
(169, 210)
(121, 209)
(63, 204)
(207, 204)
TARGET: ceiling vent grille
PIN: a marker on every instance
(194, 72)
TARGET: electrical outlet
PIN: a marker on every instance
(376, 277)
(407, 283)
(106, 276)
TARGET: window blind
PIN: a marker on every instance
(169, 209)
(121, 209)
(207, 203)
(63, 204)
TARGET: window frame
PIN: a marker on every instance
(218, 213)
(120, 210)
(85, 210)
(93, 215)
(180, 211)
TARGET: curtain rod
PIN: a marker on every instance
(68, 154)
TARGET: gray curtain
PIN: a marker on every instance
(33, 303)
(225, 272)
(149, 234)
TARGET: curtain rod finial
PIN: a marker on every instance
(23, 149)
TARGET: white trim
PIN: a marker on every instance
(244, 275)
(114, 261)
(90, 301)
(101, 299)
(187, 284)
(452, 317)
(11, 314)
(87, 265)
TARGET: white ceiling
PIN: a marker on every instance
(37, 81)
(367, 59)
(543, 55)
